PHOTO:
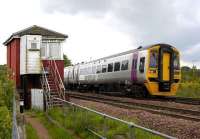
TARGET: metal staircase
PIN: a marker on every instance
(52, 85)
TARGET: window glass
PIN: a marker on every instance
(110, 67)
(55, 50)
(124, 65)
(117, 66)
(93, 69)
(104, 67)
(33, 45)
(43, 50)
(99, 69)
(153, 59)
(81, 71)
(142, 63)
(176, 62)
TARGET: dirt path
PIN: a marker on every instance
(36, 124)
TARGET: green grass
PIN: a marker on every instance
(31, 132)
(189, 89)
(54, 131)
(75, 120)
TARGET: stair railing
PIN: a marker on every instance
(57, 78)
(46, 88)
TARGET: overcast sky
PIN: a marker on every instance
(98, 28)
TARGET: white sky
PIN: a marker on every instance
(90, 36)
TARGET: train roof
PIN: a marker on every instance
(140, 48)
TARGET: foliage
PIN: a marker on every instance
(190, 75)
(67, 61)
(5, 123)
(189, 89)
(81, 121)
(6, 97)
(190, 82)
(31, 132)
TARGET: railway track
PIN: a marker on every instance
(192, 101)
(183, 100)
(182, 113)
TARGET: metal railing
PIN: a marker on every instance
(132, 126)
(15, 132)
(57, 78)
(46, 88)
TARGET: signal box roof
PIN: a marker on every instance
(36, 30)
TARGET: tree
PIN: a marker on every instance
(67, 62)
(6, 98)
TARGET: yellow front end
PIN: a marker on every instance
(152, 75)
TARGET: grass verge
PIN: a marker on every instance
(53, 131)
(31, 132)
(81, 122)
(189, 89)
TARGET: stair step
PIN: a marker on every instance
(52, 84)
(53, 90)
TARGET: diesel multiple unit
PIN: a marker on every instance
(150, 70)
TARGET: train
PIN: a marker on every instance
(152, 70)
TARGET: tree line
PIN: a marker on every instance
(6, 103)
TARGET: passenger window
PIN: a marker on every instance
(124, 65)
(117, 66)
(93, 70)
(142, 63)
(110, 67)
(104, 67)
(153, 59)
(99, 69)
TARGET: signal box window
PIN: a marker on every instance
(153, 59)
(110, 67)
(99, 69)
(33, 45)
(142, 63)
(117, 66)
(124, 65)
(104, 67)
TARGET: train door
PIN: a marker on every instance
(165, 68)
(134, 67)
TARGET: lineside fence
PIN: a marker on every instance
(15, 132)
(108, 126)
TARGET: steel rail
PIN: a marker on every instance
(169, 111)
(182, 100)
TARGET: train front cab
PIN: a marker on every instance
(163, 70)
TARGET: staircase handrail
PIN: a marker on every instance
(45, 76)
(47, 87)
(58, 77)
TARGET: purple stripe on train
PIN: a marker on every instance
(134, 67)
